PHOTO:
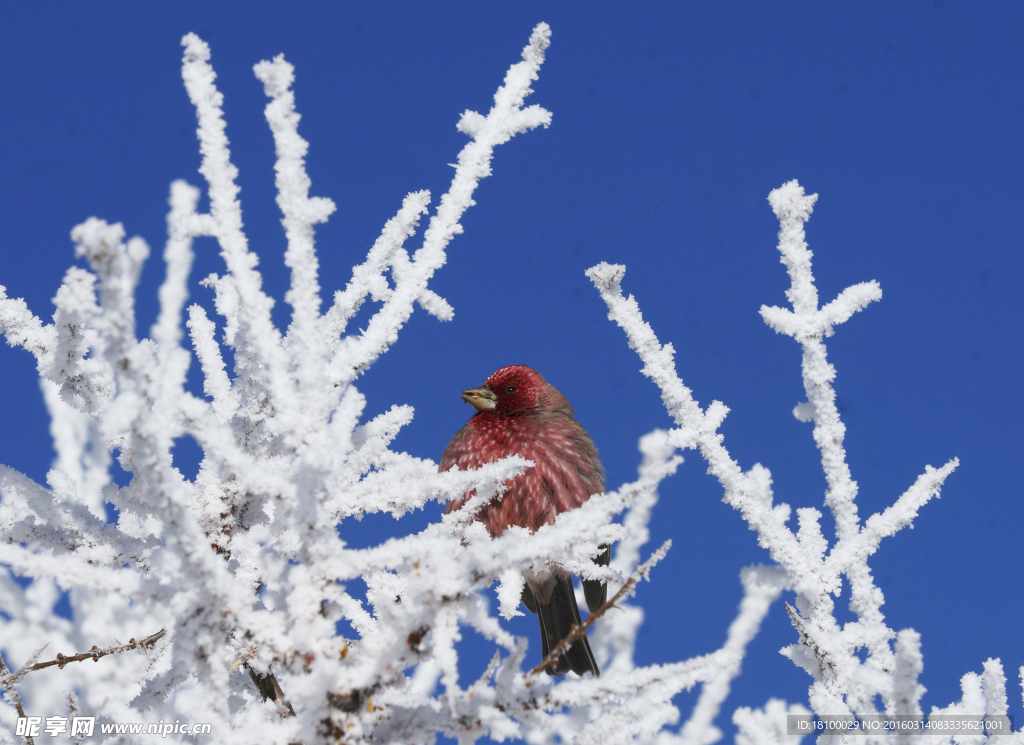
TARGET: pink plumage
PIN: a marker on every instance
(519, 413)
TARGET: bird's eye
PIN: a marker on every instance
(510, 389)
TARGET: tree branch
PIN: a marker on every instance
(580, 630)
(8, 679)
(10, 684)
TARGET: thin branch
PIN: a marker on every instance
(580, 630)
(8, 679)
(10, 684)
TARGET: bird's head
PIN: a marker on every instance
(510, 391)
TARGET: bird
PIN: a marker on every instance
(520, 413)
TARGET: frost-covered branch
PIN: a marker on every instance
(9, 684)
(578, 632)
(506, 118)
(761, 587)
(843, 683)
(247, 567)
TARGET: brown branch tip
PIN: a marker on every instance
(580, 630)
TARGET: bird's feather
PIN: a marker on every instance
(532, 419)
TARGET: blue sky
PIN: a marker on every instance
(672, 122)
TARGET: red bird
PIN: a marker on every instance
(519, 413)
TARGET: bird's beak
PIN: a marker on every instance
(481, 398)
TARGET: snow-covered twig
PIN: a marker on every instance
(579, 631)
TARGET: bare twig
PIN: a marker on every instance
(9, 679)
(580, 630)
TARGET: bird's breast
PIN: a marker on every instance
(565, 473)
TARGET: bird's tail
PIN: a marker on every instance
(556, 622)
